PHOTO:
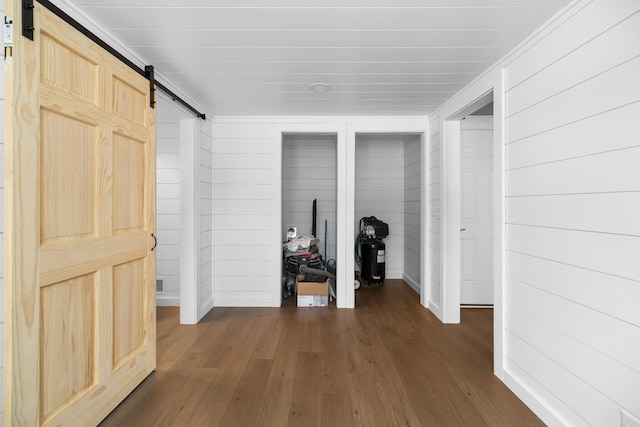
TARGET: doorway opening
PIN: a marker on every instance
(309, 201)
(451, 263)
(388, 186)
(169, 208)
(476, 208)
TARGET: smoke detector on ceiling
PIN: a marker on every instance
(320, 87)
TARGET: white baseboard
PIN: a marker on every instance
(413, 284)
(435, 309)
(205, 307)
(242, 302)
(162, 301)
(393, 274)
(532, 399)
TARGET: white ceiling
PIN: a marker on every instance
(380, 57)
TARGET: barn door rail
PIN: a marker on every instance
(148, 72)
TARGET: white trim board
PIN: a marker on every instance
(343, 299)
(418, 126)
(189, 245)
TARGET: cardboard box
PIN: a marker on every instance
(312, 294)
(313, 300)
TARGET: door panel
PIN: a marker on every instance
(476, 211)
(57, 58)
(67, 177)
(128, 309)
(66, 346)
(80, 285)
(129, 160)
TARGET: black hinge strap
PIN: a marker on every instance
(27, 18)
(148, 72)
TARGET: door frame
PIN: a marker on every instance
(483, 119)
(342, 254)
(189, 223)
(421, 128)
(489, 88)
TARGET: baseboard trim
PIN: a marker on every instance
(167, 301)
(205, 308)
(532, 399)
(413, 284)
(242, 302)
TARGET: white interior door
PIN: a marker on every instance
(476, 210)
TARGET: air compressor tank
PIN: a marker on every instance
(372, 252)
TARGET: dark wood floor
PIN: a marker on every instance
(389, 362)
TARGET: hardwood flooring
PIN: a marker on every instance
(389, 362)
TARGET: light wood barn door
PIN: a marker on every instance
(80, 270)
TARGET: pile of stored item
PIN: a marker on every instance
(303, 263)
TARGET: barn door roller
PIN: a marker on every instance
(148, 72)
(27, 18)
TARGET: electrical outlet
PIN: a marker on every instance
(629, 420)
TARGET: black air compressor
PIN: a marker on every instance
(371, 251)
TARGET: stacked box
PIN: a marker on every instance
(312, 294)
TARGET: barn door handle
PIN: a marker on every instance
(462, 229)
(155, 241)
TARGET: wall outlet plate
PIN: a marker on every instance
(292, 233)
(628, 420)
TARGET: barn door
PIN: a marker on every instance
(80, 270)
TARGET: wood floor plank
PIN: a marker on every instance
(305, 408)
(241, 410)
(187, 398)
(121, 415)
(219, 395)
(336, 409)
(228, 339)
(389, 362)
(279, 390)
(162, 393)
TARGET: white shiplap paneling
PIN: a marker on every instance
(435, 191)
(242, 269)
(379, 192)
(412, 151)
(388, 58)
(168, 199)
(246, 231)
(573, 201)
(205, 192)
(308, 173)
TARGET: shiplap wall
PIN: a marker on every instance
(435, 206)
(168, 200)
(169, 205)
(573, 204)
(412, 200)
(244, 225)
(379, 192)
(205, 181)
(309, 172)
(243, 213)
